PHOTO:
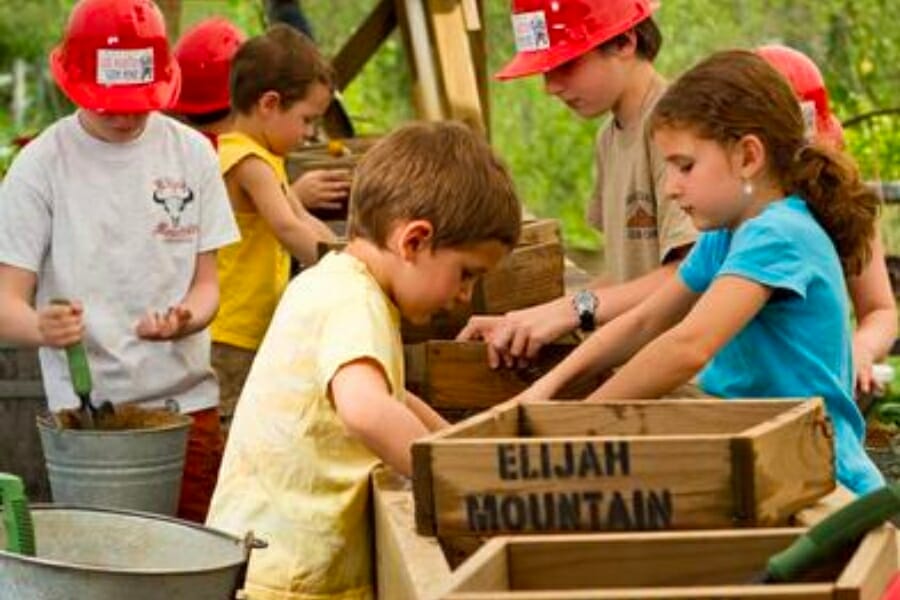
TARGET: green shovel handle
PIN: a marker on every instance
(76, 357)
(17, 523)
(834, 532)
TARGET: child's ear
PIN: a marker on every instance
(415, 236)
(269, 102)
(750, 156)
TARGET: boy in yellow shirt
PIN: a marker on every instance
(431, 209)
(280, 87)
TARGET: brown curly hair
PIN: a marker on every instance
(736, 93)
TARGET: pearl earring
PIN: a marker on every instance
(747, 188)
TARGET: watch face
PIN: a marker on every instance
(585, 301)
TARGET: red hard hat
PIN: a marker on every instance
(204, 54)
(552, 32)
(114, 57)
(809, 86)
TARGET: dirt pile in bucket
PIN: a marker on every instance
(124, 418)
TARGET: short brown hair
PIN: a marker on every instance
(441, 172)
(649, 40)
(281, 60)
(737, 93)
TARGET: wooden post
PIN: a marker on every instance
(454, 58)
(171, 10)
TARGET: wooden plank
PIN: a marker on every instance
(518, 485)
(611, 561)
(454, 59)
(426, 87)
(364, 43)
(529, 275)
(872, 567)
(409, 566)
(540, 230)
(660, 565)
(793, 592)
(793, 461)
(456, 375)
(487, 570)
(650, 417)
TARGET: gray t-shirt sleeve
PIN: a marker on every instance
(217, 225)
(25, 212)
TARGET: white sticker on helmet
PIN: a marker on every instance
(124, 67)
(808, 108)
(530, 30)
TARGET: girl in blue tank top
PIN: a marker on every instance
(759, 307)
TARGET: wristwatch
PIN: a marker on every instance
(585, 303)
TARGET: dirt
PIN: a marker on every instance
(879, 436)
(123, 419)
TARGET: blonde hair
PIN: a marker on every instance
(736, 93)
(443, 173)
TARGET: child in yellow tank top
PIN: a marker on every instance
(281, 86)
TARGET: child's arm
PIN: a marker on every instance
(876, 315)
(322, 188)
(431, 419)
(194, 312)
(300, 209)
(298, 233)
(54, 325)
(677, 355)
(364, 404)
(522, 333)
(616, 342)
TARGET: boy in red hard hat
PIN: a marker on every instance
(870, 291)
(121, 210)
(204, 54)
(597, 57)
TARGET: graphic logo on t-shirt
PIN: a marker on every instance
(640, 216)
(173, 196)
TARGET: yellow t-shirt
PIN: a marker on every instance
(253, 272)
(291, 472)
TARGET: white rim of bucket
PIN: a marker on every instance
(124, 571)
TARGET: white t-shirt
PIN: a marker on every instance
(119, 227)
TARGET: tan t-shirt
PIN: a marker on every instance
(641, 227)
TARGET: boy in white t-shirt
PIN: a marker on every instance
(120, 209)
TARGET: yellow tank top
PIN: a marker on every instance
(253, 272)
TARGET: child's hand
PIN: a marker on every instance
(61, 325)
(863, 359)
(324, 188)
(172, 324)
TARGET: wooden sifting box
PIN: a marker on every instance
(455, 378)
(691, 565)
(623, 466)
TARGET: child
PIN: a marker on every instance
(280, 86)
(873, 300)
(121, 210)
(204, 54)
(325, 402)
(759, 306)
(597, 57)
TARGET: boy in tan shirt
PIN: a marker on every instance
(596, 56)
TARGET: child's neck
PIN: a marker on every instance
(376, 261)
(764, 194)
(253, 128)
(628, 110)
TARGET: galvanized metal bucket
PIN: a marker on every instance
(138, 469)
(105, 554)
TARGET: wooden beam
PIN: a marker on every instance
(171, 10)
(426, 89)
(454, 59)
(364, 43)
